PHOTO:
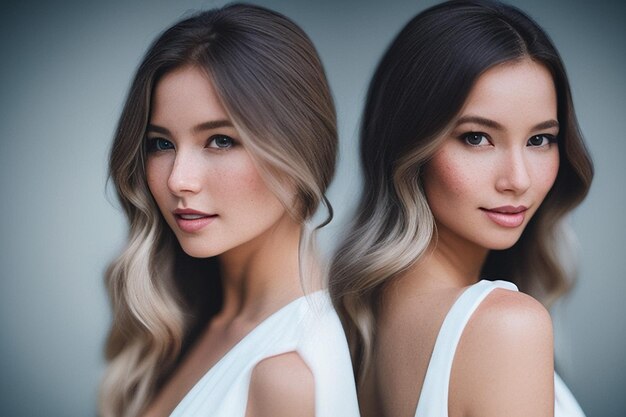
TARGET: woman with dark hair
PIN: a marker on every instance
(223, 153)
(472, 156)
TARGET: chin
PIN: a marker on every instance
(198, 255)
(198, 251)
(500, 247)
(502, 244)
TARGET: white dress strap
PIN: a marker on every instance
(565, 405)
(309, 326)
(433, 400)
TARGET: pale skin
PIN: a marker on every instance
(196, 160)
(500, 152)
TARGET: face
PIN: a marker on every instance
(499, 161)
(200, 174)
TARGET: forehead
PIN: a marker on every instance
(513, 93)
(186, 92)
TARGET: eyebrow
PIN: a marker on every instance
(548, 124)
(213, 124)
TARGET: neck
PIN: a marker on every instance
(450, 262)
(262, 275)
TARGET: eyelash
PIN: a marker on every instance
(152, 145)
(158, 144)
(214, 138)
(551, 139)
(465, 137)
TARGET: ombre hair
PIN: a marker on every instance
(272, 84)
(417, 91)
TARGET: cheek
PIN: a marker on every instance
(241, 183)
(157, 174)
(448, 177)
(545, 172)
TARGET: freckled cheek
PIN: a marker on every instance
(157, 175)
(240, 182)
(452, 177)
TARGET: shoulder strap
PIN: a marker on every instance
(223, 390)
(433, 401)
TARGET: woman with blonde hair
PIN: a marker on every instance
(223, 152)
(472, 156)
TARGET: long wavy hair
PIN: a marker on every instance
(272, 84)
(417, 91)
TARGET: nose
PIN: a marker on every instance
(514, 175)
(185, 177)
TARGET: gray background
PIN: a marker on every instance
(64, 74)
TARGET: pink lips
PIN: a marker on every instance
(507, 216)
(190, 221)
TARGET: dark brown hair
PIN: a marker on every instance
(418, 89)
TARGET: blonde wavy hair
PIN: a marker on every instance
(272, 84)
(416, 93)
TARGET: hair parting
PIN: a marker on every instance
(417, 90)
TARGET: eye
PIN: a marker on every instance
(476, 139)
(159, 144)
(541, 140)
(221, 142)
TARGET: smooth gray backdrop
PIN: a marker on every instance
(63, 78)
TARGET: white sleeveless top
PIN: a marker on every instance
(433, 401)
(308, 326)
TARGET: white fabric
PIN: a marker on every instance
(433, 401)
(308, 326)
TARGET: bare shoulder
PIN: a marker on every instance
(511, 315)
(281, 385)
(504, 361)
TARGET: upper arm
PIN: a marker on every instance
(504, 364)
(281, 386)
